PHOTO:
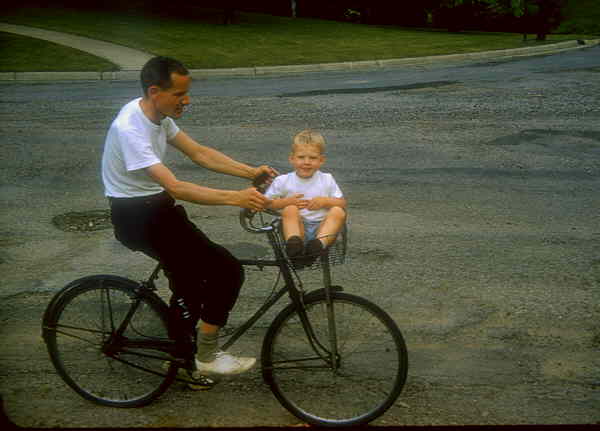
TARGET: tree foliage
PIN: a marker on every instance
(525, 16)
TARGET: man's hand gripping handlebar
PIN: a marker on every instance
(261, 183)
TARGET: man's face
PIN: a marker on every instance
(171, 102)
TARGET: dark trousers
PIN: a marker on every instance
(206, 275)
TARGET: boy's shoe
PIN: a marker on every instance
(196, 382)
(225, 364)
(294, 247)
(314, 247)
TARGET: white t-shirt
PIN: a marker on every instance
(320, 184)
(133, 143)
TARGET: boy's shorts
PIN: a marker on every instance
(310, 230)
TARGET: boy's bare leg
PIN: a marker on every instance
(293, 231)
(292, 222)
(332, 224)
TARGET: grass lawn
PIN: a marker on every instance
(253, 40)
(25, 54)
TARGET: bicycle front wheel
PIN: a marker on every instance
(353, 387)
(80, 328)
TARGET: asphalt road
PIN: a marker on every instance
(474, 221)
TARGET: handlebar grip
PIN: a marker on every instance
(247, 217)
(260, 182)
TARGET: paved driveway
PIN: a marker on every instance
(474, 221)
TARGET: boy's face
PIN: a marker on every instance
(306, 160)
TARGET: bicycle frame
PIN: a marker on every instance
(296, 293)
(104, 332)
(118, 345)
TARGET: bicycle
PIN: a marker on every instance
(330, 358)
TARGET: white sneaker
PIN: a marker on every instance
(225, 364)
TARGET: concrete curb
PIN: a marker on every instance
(265, 71)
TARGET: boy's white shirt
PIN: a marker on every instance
(320, 184)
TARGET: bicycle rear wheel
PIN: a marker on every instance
(80, 325)
(371, 364)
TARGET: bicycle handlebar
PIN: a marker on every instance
(248, 222)
(260, 182)
(247, 216)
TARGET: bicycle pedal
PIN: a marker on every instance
(201, 383)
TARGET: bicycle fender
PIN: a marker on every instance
(321, 292)
(58, 297)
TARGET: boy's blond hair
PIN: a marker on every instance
(309, 137)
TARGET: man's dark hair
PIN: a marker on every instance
(157, 71)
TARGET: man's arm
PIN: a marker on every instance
(212, 159)
(248, 198)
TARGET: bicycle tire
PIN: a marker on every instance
(373, 362)
(78, 322)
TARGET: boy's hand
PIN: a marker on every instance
(317, 203)
(297, 200)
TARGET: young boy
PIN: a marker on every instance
(312, 204)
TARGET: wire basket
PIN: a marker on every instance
(335, 254)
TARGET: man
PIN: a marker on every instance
(204, 277)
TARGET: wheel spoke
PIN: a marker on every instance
(114, 369)
(369, 372)
(68, 334)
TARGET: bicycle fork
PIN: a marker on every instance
(331, 354)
